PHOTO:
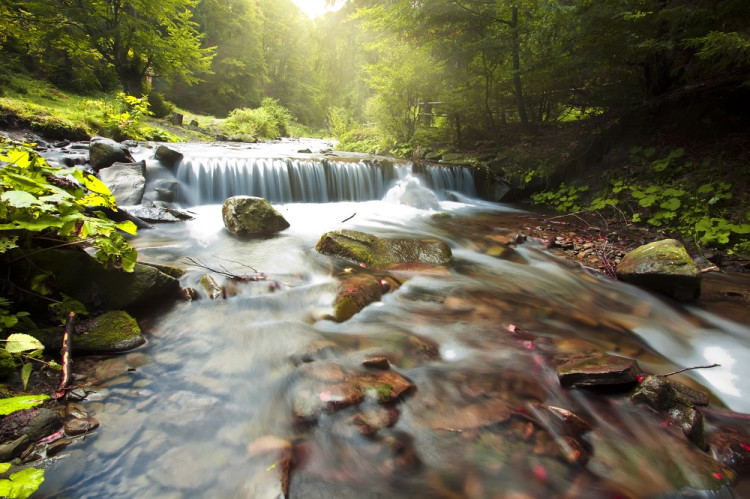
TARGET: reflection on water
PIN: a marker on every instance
(217, 377)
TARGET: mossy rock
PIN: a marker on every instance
(8, 364)
(354, 294)
(251, 215)
(376, 252)
(111, 332)
(79, 276)
(662, 266)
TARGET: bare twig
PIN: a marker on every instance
(65, 380)
(240, 263)
(237, 277)
(347, 219)
(686, 369)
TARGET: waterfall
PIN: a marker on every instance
(206, 180)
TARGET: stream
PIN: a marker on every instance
(211, 406)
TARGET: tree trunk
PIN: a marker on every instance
(516, 61)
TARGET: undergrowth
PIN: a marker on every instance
(676, 192)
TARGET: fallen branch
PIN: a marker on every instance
(236, 277)
(686, 369)
(347, 219)
(65, 352)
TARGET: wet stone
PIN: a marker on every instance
(471, 416)
(211, 287)
(377, 363)
(328, 372)
(558, 420)
(79, 426)
(375, 418)
(385, 386)
(598, 370)
(659, 394)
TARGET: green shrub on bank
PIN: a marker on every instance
(269, 121)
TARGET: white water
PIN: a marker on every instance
(219, 374)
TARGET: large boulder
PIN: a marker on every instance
(251, 215)
(167, 156)
(105, 152)
(662, 266)
(126, 182)
(376, 252)
(79, 276)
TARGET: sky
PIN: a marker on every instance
(313, 8)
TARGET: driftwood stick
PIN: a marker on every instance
(66, 344)
(686, 369)
(259, 277)
(347, 219)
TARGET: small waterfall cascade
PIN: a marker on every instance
(211, 180)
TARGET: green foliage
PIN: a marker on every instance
(565, 199)
(38, 200)
(269, 121)
(124, 119)
(340, 121)
(21, 484)
(19, 403)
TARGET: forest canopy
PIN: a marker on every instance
(472, 66)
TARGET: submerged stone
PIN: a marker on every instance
(662, 266)
(376, 252)
(251, 215)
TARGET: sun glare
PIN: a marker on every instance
(315, 8)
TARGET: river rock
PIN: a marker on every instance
(126, 182)
(376, 252)
(79, 426)
(167, 156)
(251, 215)
(159, 212)
(659, 394)
(354, 294)
(662, 266)
(598, 369)
(114, 331)
(79, 276)
(105, 152)
(35, 423)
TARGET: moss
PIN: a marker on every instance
(113, 331)
(8, 364)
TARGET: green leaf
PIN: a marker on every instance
(20, 402)
(128, 227)
(17, 343)
(671, 204)
(4, 467)
(22, 484)
(26, 373)
(20, 199)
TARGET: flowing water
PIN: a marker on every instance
(210, 406)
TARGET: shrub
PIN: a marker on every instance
(269, 121)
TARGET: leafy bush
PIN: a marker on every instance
(160, 108)
(269, 121)
(125, 118)
(41, 201)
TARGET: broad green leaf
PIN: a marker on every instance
(20, 402)
(26, 374)
(7, 243)
(22, 484)
(19, 199)
(4, 467)
(671, 204)
(127, 227)
(18, 342)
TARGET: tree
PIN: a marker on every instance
(137, 38)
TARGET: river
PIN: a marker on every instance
(210, 406)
